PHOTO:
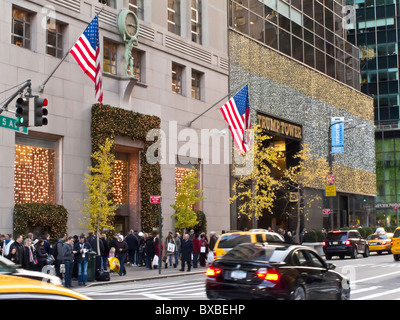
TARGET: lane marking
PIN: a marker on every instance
(372, 296)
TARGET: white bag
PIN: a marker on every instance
(155, 261)
(203, 249)
(210, 257)
(171, 247)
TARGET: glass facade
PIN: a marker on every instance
(309, 31)
(375, 32)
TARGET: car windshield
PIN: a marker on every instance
(230, 241)
(337, 236)
(377, 236)
(396, 233)
(6, 266)
(250, 252)
(274, 238)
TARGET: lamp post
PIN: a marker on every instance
(331, 158)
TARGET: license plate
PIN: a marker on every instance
(335, 242)
(238, 275)
(372, 244)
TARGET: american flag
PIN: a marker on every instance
(237, 114)
(86, 52)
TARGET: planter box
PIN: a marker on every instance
(316, 246)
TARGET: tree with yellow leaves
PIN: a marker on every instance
(98, 208)
(255, 188)
(310, 172)
(187, 195)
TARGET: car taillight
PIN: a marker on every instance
(215, 253)
(391, 242)
(384, 242)
(213, 271)
(268, 274)
(324, 243)
(348, 243)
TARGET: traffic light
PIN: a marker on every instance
(22, 112)
(40, 111)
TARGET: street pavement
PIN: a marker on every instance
(134, 273)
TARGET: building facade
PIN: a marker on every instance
(180, 70)
(301, 72)
(376, 32)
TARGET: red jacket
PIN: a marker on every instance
(196, 244)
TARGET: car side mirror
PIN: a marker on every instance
(330, 266)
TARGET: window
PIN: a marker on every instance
(137, 65)
(174, 16)
(183, 167)
(34, 171)
(196, 84)
(54, 38)
(121, 179)
(21, 28)
(177, 76)
(137, 7)
(196, 21)
(110, 57)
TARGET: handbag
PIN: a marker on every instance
(210, 257)
(171, 247)
(155, 261)
(50, 259)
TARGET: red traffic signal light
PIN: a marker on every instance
(40, 111)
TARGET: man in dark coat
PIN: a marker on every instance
(186, 252)
(19, 246)
(132, 241)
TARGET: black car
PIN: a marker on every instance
(345, 243)
(279, 271)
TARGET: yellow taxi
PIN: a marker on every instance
(228, 241)
(379, 242)
(20, 288)
(396, 244)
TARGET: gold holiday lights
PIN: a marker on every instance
(34, 175)
(120, 182)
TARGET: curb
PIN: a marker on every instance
(102, 283)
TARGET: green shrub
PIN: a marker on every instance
(51, 218)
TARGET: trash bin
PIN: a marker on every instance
(91, 270)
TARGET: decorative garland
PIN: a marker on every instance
(109, 122)
(50, 217)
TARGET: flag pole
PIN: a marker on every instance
(189, 124)
(41, 87)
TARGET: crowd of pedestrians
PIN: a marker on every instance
(70, 255)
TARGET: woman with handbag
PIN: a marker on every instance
(203, 250)
(41, 255)
(169, 250)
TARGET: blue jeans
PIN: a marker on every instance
(69, 265)
(121, 263)
(195, 259)
(82, 272)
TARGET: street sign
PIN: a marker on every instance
(330, 191)
(9, 123)
(155, 199)
(293, 196)
(326, 211)
(331, 178)
(395, 207)
(337, 135)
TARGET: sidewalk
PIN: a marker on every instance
(134, 273)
